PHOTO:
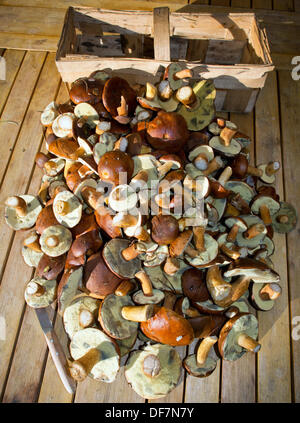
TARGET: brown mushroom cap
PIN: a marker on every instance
(256, 270)
(114, 89)
(45, 219)
(87, 243)
(98, 279)
(50, 267)
(105, 222)
(168, 327)
(210, 325)
(193, 285)
(164, 229)
(112, 164)
(168, 131)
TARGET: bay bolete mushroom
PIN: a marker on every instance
(121, 257)
(69, 286)
(285, 219)
(265, 206)
(268, 171)
(50, 267)
(256, 270)
(201, 364)
(112, 164)
(40, 292)
(95, 354)
(56, 240)
(236, 224)
(154, 371)
(263, 296)
(164, 229)
(168, 131)
(239, 335)
(21, 211)
(194, 286)
(62, 126)
(168, 327)
(119, 99)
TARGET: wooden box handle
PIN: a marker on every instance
(161, 31)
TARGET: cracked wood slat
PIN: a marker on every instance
(12, 149)
(289, 108)
(238, 377)
(274, 372)
(13, 60)
(18, 176)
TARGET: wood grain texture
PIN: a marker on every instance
(274, 357)
(283, 5)
(290, 125)
(18, 179)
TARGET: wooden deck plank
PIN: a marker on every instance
(262, 4)
(238, 377)
(297, 5)
(283, 5)
(290, 126)
(18, 179)
(14, 110)
(274, 357)
(13, 60)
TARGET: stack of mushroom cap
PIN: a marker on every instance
(40, 293)
(238, 336)
(21, 212)
(201, 364)
(154, 371)
(257, 271)
(98, 278)
(168, 131)
(102, 364)
(111, 317)
(80, 313)
(168, 327)
(113, 164)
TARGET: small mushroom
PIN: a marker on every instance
(121, 257)
(268, 172)
(241, 168)
(285, 219)
(45, 219)
(236, 225)
(56, 240)
(67, 209)
(230, 150)
(119, 99)
(81, 313)
(168, 162)
(238, 336)
(154, 371)
(201, 364)
(62, 126)
(263, 296)
(167, 327)
(22, 211)
(111, 317)
(201, 156)
(95, 354)
(40, 293)
(49, 114)
(265, 206)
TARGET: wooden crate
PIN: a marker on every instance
(229, 48)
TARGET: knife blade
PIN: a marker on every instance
(56, 350)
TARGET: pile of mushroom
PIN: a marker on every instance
(150, 230)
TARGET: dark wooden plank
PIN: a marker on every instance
(289, 90)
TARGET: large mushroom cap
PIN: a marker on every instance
(25, 220)
(98, 278)
(194, 286)
(164, 229)
(114, 89)
(112, 164)
(154, 371)
(50, 267)
(168, 131)
(55, 240)
(256, 270)
(168, 327)
(67, 209)
(112, 255)
(107, 367)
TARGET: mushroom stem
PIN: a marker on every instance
(230, 253)
(226, 136)
(186, 96)
(199, 232)
(52, 241)
(171, 266)
(124, 288)
(79, 369)
(86, 318)
(138, 313)
(233, 233)
(184, 73)
(265, 214)
(254, 230)
(215, 164)
(283, 218)
(218, 288)
(201, 162)
(18, 203)
(170, 300)
(225, 175)
(239, 287)
(142, 234)
(62, 207)
(272, 168)
(130, 252)
(35, 289)
(191, 251)
(204, 348)
(164, 168)
(251, 170)
(32, 242)
(123, 108)
(151, 91)
(248, 343)
(270, 291)
(146, 283)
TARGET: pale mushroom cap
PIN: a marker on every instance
(262, 200)
(166, 378)
(211, 251)
(232, 150)
(197, 370)
(33, 210)
(46, 298)
(31, 257)
(72, 313)
(107, 368)
(86, 111)
(64, 236)
(73, 216)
